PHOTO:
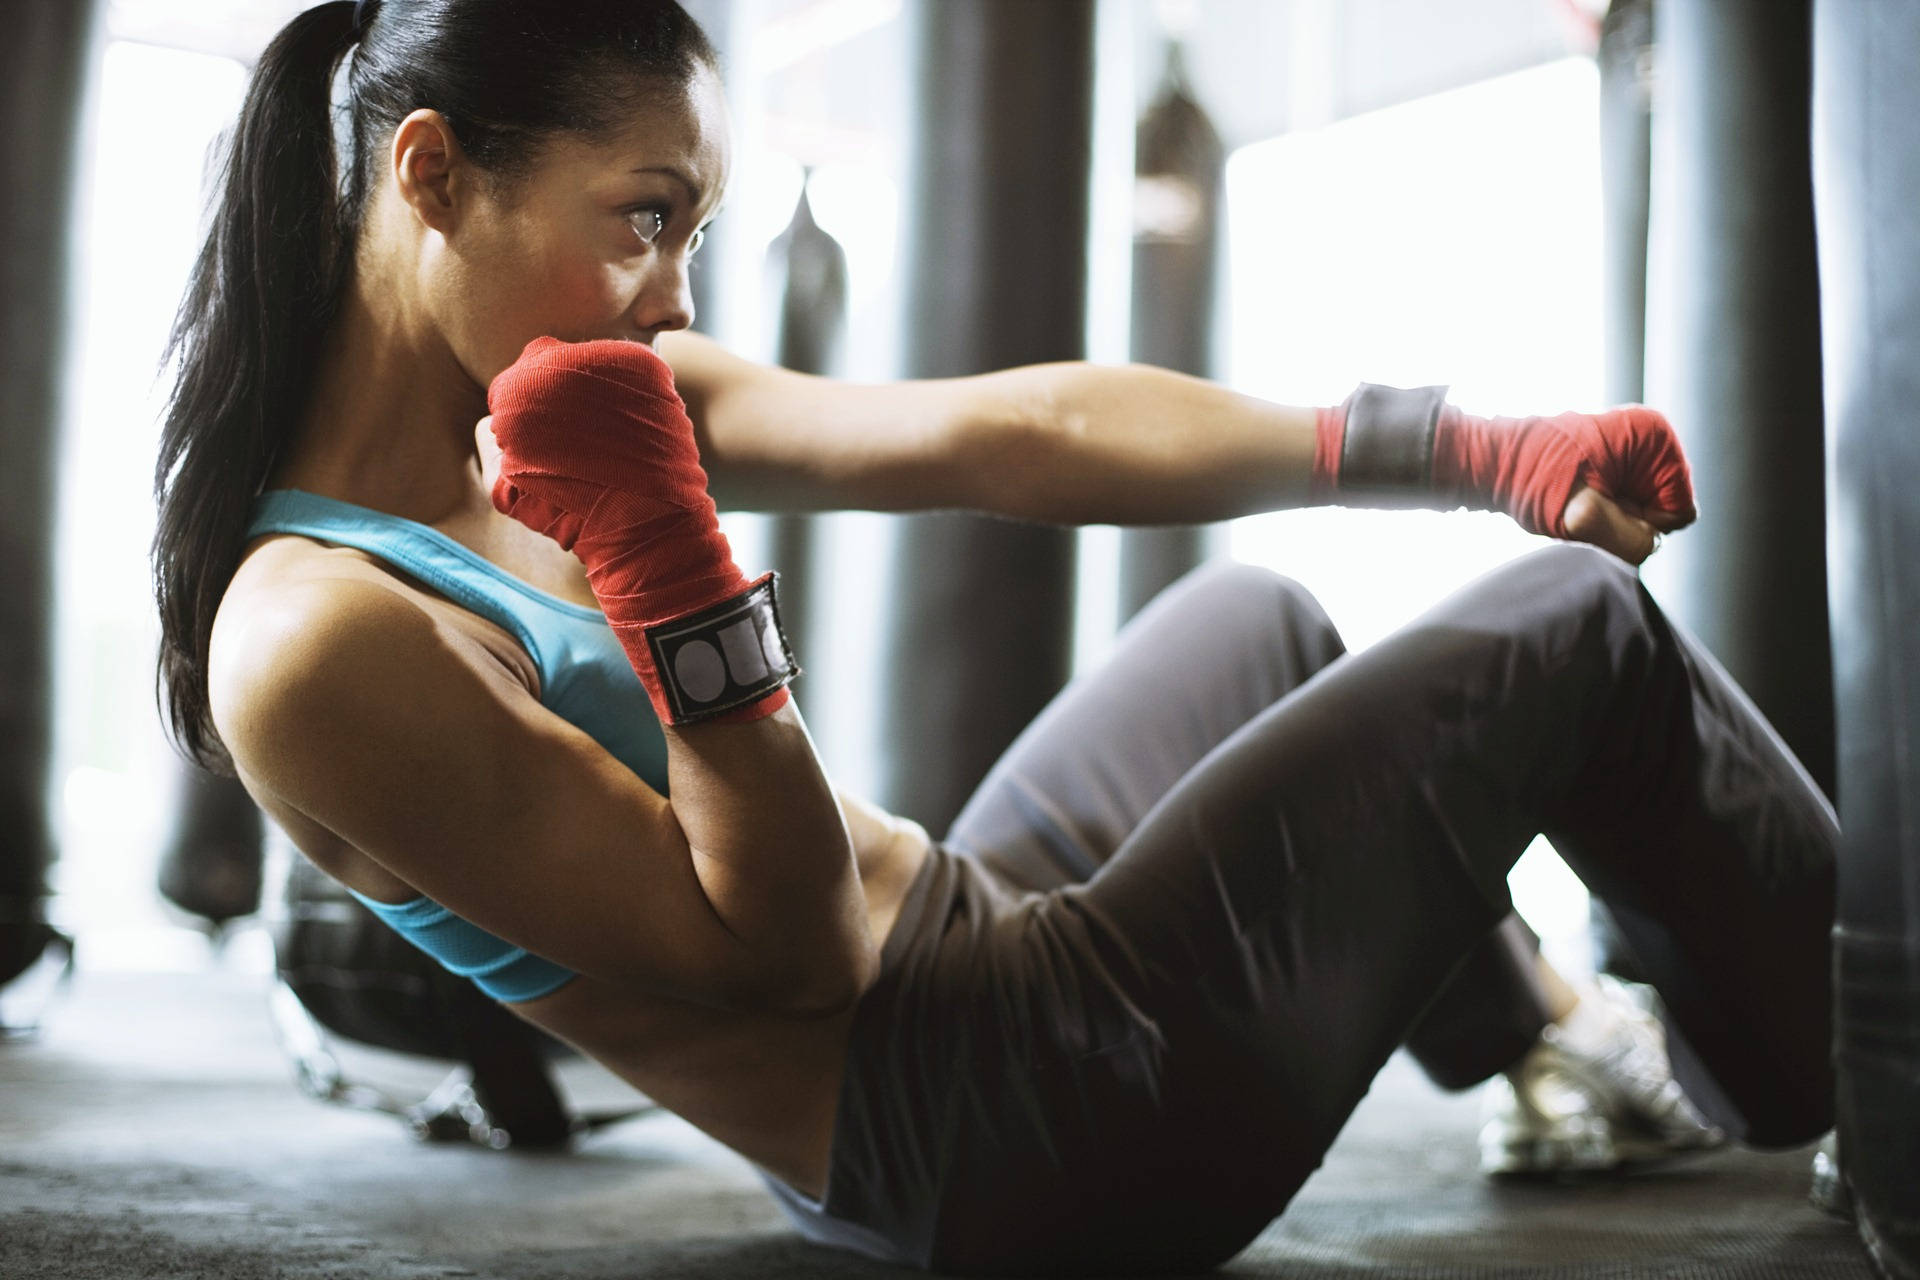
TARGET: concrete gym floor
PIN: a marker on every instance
(153, 1131)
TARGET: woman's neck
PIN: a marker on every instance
(390, 420)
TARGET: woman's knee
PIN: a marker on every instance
(1285, 623)
(1583, 610)
(1238, 580)
(1584, 576)
(1584, 561)
(1264, 601)
(1261, 632)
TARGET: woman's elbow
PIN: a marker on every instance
(824, 988)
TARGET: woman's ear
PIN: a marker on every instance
(430, 171)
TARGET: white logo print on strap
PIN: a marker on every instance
(724, 656)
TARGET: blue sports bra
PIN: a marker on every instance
(584, 678)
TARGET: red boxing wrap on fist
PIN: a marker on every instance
(597, 452)
(1409, 445)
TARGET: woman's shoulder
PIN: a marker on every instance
(307, 634)
(293, 598)
(292, 616)
(318, 655)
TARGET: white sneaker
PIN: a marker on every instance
(1593, 1108)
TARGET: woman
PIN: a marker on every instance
(1146, 970)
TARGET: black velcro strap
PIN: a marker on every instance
(1389, 439)
(724, 656)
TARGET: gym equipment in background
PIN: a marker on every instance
(343, 975)
(1866, 166)
(1179, 172)
(981, 627)
(45, 61)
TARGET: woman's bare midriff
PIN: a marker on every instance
(767, 1086)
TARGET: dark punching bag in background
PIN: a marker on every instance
(811, 270)
(1179, 167)
(44, 64)
(980, 635)
(1744, 392)
(1867, 167)
(215, 848)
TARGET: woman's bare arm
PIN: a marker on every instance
(1065, 443)
(355, 706)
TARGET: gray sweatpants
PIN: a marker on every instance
(1083, 776)
(1136, 992)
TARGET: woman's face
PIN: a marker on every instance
(595, 241)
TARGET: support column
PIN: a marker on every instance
(1742, 357)
(996, 252)
(1867, 180)
(1626, 155)
(44, 64)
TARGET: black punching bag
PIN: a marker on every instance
(1744, 357)
(44, 62)
(996, 245)
(1867, 171)
(211, 863)
(811, 270)
(1179, 168)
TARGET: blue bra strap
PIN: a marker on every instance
(462, 575)
(497, 967)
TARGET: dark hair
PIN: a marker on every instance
(507, 75)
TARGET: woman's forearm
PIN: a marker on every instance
(597, 453)
(1131, 444)
(770, 846)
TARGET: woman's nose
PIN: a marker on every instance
(666, 302)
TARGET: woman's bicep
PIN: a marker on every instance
(370, 720)
(775, 440)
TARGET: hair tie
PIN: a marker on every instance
(362, 14)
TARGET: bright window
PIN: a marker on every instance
(1453, 239)
(157, 114)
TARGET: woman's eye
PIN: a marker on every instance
(647, 223)
(699, 238)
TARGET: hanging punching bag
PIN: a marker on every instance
(982, 626)
(1740, 367)
(210, 865)
(43, 71)
(811, 269)
(1179, 168)
(1867, 187)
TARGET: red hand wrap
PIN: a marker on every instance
(1530, 468)
(597, 452)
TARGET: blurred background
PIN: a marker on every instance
(1288, 195)
(1547, 204)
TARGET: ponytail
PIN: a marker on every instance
(246, 338)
